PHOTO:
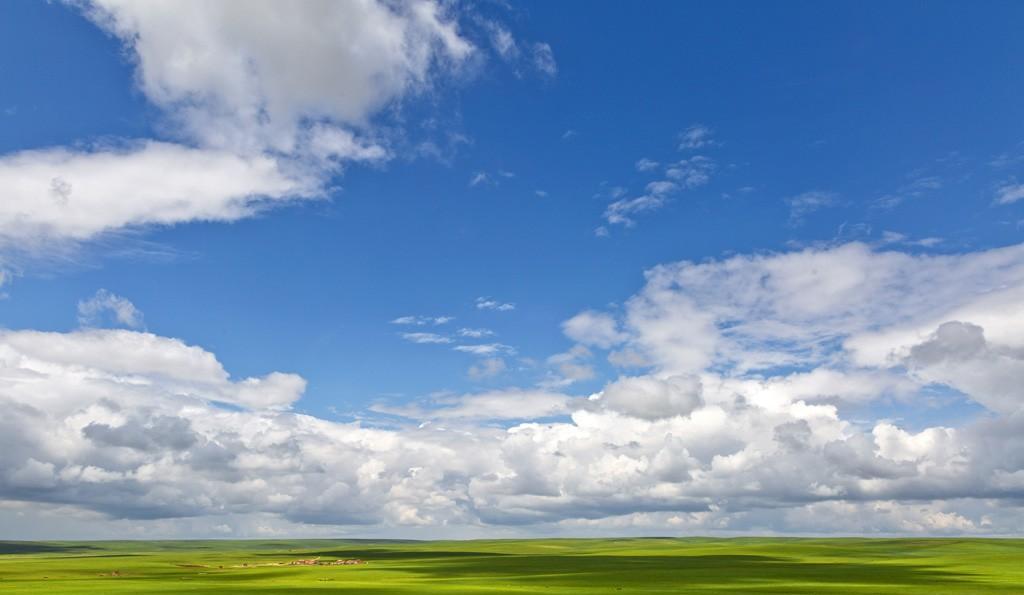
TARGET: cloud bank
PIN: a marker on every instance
(746, 415)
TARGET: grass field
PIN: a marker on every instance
(699, 565)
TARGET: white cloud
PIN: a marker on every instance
(265, 102)
(763, 312)
(537, 55)
(544, 59)
(482, 177)
(485, 349)
(1009, 193)
(695, 137)
(645, 164)
(486, 303)
(685, 174)
(86, 364)
(653, 398)
(475, 333)
(693, 172)
(491, 405)
(423, 320)
(740, 425)
(918, 186)
(594, 328)
(57, 194)
(426, 338)
(487, 368)
(572, 366)
(804, 204)
(661, 187)
(892, 237)
(93, 311)
(248, 77)
(621, 212)
(502, 41)
(957, 354)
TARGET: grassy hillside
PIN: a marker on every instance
(554, 566)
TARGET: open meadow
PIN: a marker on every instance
(551, 566)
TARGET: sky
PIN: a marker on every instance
(432, 269)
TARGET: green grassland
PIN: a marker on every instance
(551, 566)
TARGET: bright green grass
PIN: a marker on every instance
(551, 566)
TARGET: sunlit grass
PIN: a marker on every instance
(752, 565)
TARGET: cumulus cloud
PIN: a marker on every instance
(593, 328)
(487, 368)
(742, 421)
(94, 363)
(58, 194)
(266, 103)
(653, 398)
(248, 77)
(94, 311)
(571, 366)
(958, 355)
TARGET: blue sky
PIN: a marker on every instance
(522, 174)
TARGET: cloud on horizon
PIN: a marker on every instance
(742, 421)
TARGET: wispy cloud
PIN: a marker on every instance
(693, 172)
(645, 164)
(806, 203)
(427, 338)
(1009, 193)
(621, 212)
(544, 59)
(695, 137)
(423, 320)
(919, 185)
(482, 177)
(105, 307)
(502, 41)
(486, 349)
(896, 238)
(486, 303)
